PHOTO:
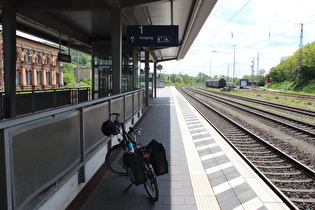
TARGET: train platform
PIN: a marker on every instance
(204, 171)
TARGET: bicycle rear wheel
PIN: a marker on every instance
(114, 160)
(151, 184)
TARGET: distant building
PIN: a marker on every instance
(267, 80)
(36, 66)
(82, 73)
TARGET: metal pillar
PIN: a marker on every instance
(154, 80)
(135, 69)
(116, 48)
(9, 49)
(147, 69)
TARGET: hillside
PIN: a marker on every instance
(287, 70)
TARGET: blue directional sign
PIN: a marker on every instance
(152, 36)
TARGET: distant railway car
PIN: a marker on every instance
(216, 83)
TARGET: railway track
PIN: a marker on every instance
(289, 178)
(300, 111)
(301, 129)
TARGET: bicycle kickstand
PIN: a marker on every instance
(128, 187)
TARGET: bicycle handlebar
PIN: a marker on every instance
(116, 121)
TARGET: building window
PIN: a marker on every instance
(55, 63)
(29, 78)
(36, 59)
(58, 79)
(38, 78)
(46, 60)
(17, 77)
(48, 78)
(26, 58)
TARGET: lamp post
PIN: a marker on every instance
(233, 66)
(210, 69)
(215, 51)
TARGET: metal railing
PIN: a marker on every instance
(37, 100)
(39, 153)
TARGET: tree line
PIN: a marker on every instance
(201, 78)
(300, 79)
(300, 76)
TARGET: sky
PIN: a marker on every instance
(251, 30)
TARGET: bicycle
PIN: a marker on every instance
(129, 159)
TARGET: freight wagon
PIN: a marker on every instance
(216, 83)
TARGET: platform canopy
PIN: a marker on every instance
(83, 22)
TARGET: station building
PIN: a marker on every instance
(37, 66)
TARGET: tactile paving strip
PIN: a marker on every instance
(216, 182)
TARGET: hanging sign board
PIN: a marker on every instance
(64, 58)
(152, 36)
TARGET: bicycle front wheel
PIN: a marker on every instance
(114, 160)
(151, 184)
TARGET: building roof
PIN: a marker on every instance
(87, 21)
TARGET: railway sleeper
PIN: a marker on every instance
(292, 181)
(297, 190)
(285, 173)
(238, 134)
(275, 167)
(255, 152)
(242, 142)
(246, 142)
(301, 200)
(264, 161)
(260, 157)
(250, 147)
(259, 154)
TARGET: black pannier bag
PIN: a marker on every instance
(109, 128)
(158, 157)
(134, 164)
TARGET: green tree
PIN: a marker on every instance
(186, 79)
(68, 79)
(68, 76)
(201, 78)
(286, 70)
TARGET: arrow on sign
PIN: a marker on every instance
(132, 38)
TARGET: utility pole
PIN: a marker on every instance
(257, 70)
(234, 66)
(252, 67)
(210, 69)
(299, 67)
(228, 73)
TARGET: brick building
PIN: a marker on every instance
(37, 66)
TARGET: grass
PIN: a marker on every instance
(270, 96)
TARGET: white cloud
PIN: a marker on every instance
(270, 28)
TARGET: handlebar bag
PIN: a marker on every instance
(109, 128)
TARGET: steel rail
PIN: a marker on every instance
(299, 165)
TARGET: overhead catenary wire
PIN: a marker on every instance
(277, 35)
(231, 19)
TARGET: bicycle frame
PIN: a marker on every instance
(126, 137)
(139, 172)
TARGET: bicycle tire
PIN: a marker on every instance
(114, 160)
(151, 183)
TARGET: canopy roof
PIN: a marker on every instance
(83, 22)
